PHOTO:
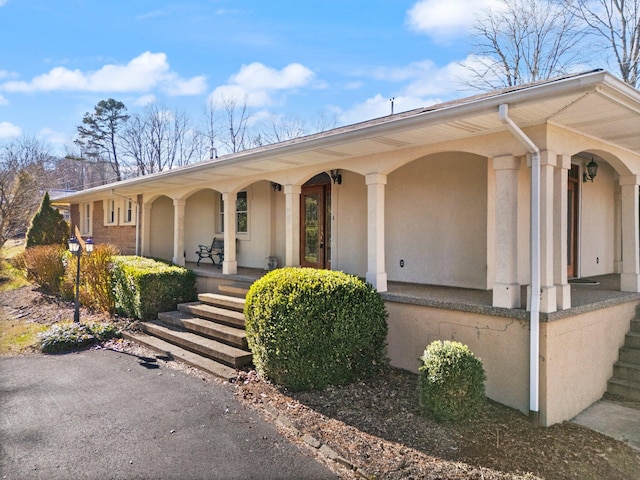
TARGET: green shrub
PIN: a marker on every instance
(96, 289)
(311, 328)
(143, 287)
(65, 337)
(48, 226)
(43, 265)
(451, 381)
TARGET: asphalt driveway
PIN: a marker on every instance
(108, 415)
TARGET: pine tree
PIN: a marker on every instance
(48, 226)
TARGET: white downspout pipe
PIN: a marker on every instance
(534, 314)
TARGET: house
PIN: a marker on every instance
(472, 218)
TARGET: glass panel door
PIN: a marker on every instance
(312, 236)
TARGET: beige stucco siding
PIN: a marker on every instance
(577, 355)
(350, 211)
(501, 343)
(436, 221)
(597, 215)
(199, 221)
(161, 229)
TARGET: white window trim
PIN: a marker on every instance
(220, 220)
(134, 206)
(83, 219)
(107, 204)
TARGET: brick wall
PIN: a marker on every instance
(123, 237)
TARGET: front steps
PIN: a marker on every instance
(625, 382)
(208, 334)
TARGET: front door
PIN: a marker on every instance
(315, 225)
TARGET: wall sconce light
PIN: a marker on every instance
(336, 176)
(592, 171)
(276, 187)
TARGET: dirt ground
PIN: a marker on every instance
(376, 425)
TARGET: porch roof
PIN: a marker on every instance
(595, 104)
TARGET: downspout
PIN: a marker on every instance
(534, 314)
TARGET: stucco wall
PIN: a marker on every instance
(436, 221)
(577, 357)
(350, 211)
(161, 229)
(501, 343)
(199, 222)
(597, 215)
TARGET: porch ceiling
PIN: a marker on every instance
(595, 104)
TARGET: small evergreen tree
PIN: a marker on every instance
(48, 226)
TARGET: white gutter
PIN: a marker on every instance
(534, 334)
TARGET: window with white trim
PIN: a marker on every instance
(128, 212)
(110, 212)
(85, 219)
(242, 213)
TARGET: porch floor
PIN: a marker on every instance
(586, 294)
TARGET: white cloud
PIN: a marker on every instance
(56, 139)
(142, 74)
(444, 19)
(145, 100)
(3, 101)
(422, 84)
(8, 130)
(258, 83)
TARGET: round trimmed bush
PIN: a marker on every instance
(451, 381)
(311, 328)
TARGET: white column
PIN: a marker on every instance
(560, 224)
(292, 221)
(630, 277)
(145, 241)
(506, 289)
(229, 264)
(178, 231)
(376, 273)
(617, 231)
(548, 299)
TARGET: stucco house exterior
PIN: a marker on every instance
(470, 217)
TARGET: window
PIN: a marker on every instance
(242, 213)
(85, 219)
(110, 212)
(129, 212)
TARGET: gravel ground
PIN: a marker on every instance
(377, 427)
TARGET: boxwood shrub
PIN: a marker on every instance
(451, 381)
(143, 287)
(311, 328)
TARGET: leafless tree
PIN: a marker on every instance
(278, 129)
(22, 180)
(617, 24)
(520, 41)
(235, 134)
(160, 139)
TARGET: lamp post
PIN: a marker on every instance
(76, 248)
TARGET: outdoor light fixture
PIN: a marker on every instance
(276, 187)
(592, 171)
(76, 248)
(336, 176)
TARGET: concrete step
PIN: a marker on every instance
(624, 388)
(222, 301)
(630, 355)
(207, 347)
(222, 315)
(217, 369)
(627, 371)
(236, 337)
(632, 339)
(635, 325)
(238, 290)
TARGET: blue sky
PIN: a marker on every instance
(343, 58)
